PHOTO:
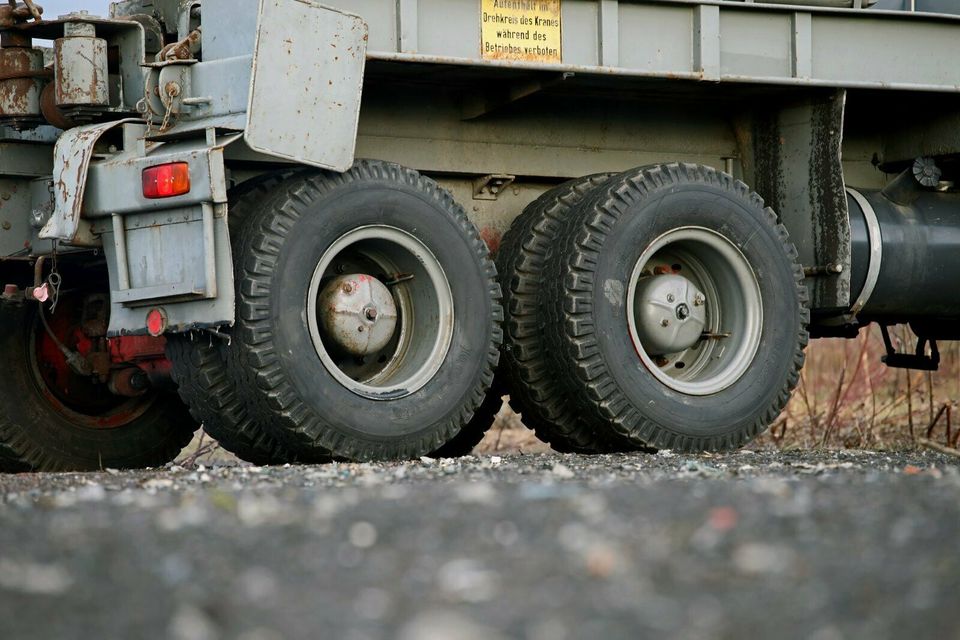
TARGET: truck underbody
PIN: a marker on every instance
(677, 195)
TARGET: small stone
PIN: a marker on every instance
(562, 471)
(601, 562)
(362, 535)
(759, 558)
(34, 578)
(723, 519)
(466, 580)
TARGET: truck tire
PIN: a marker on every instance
(473, 432)
(368, 314)
(530, 374)
(207, 385)
(43, 428)
(680, 310)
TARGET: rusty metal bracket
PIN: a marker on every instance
(16, 12)
(490, 187)
(72, 156)
(186, 49)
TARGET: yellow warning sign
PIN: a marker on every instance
(520, 30)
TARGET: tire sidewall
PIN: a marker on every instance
(747, 226)
(324, 220)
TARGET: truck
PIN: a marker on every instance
(345, 232)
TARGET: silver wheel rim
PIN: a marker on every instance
(423, 299)
(734, 310)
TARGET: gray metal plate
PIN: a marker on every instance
(307, 78)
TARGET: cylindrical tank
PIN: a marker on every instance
(918, 256)
(20, 93)
(81, 68)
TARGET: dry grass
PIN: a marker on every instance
(847, 398)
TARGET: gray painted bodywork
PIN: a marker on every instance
(786, 97)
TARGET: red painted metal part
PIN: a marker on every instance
(129, 349)
(84, 400)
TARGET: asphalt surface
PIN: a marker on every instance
(541, 547)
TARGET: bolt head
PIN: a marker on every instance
(670, 297)
(347, 287)
(664, 323)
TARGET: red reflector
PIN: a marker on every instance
(166, 180)
(156, 322)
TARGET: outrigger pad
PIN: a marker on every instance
(308, 65)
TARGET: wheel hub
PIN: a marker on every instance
(358, 314)
(670, 313)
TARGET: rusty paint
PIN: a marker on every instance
(185, 49)
(20, 69)
(52, 113)
(81, 77)
(35, 11)
(13, 13)
(492, 237)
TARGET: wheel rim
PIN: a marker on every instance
(368, 261)
(77, 398)
(694, 311)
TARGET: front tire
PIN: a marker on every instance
(368, 313)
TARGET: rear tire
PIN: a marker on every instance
(396, 231)
(207, 385)
(39, 432)
(647, 240)
(474, 431)
(530, 373)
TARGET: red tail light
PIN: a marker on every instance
(166, 180)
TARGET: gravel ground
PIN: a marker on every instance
(817, 545)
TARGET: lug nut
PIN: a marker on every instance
(698, 300)
(347, 287)
(670, 297)
(664, 323)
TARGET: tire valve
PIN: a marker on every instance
(400, 277)
(707, 335)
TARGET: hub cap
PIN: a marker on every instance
(358, 314)
(380, 312)
(670, 314)
(694, 311)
